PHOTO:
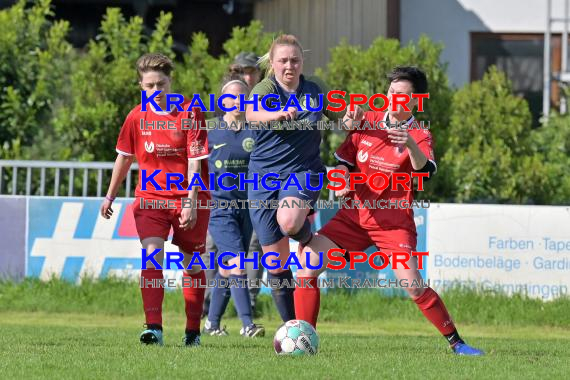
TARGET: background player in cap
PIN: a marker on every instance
(246, 64)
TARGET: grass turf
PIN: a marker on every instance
(54, 345)
(60, 330)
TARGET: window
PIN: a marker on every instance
(520, 56)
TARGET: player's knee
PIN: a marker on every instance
(289, 224)
(415, 292)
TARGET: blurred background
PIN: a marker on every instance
(68, 81)
(498, 84)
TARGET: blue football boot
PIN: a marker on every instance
(463, 348)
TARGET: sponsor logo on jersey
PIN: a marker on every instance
(362, 156)
(149, 147)
(367, 143)
(218, 146)
(312, 102)
(247, 144)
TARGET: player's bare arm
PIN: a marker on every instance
(120, 170)
(402, 137)
(188, 215)
(262, 115)
(352, 118)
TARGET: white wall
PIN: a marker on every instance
(451, 21)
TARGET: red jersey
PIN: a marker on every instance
(166, 149)
(370, 151)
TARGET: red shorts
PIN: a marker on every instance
(157, 223)
(349, 235)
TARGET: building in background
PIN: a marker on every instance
(321, 24)
(475, 33)
(480, 33)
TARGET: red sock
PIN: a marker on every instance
(434, 309)
(152, 296)
(194, 299)
(308, 300)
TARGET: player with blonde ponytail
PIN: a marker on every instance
(291, 152)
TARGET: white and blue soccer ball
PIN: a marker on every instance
(296, 337)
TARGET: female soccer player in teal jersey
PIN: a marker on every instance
(286, 153)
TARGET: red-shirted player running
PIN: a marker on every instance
(175, 149)
(369, 151)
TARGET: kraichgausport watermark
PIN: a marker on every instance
(274, 204)
(272, 102)
(343, 282)
(304, 124)
(337, 259)
(337, 180)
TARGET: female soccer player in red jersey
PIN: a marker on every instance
(183, 149)
(286, 153)
(368, 151)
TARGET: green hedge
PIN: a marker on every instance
(59, 103)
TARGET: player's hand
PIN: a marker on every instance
(106, 210)
(188, 218)
(288, 115)
(356, 115)
(399, 136)
(343, 192)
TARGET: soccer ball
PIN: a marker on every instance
(297, 338)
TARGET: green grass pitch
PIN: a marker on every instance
(58, 330)
(40, 345)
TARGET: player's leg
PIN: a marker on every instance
(282, 294)
(223, 231)
(296, 204)
(340, 232)
(211, 249)
(293, 221)
(240, 293)
(308, 296)
(427, 299)
(253, 274)
(152, 228)
(193, 290)
(152, 293)
(190, 242)
(272, 240)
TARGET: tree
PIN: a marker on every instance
(493, 154)
(103, 85)
(34, 59)
(364, 71)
